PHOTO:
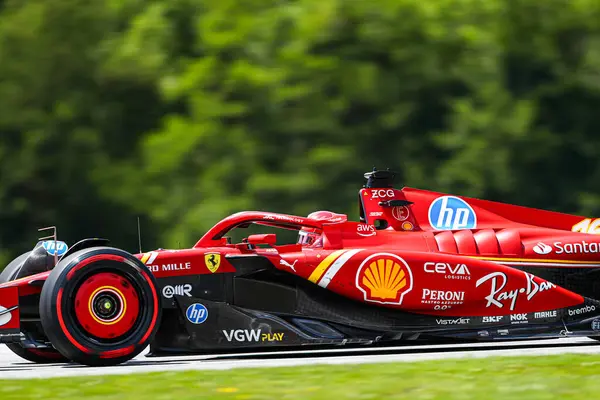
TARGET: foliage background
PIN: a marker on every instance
(184, 111)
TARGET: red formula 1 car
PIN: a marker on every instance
(418, 266)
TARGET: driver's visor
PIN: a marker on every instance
(309, 239)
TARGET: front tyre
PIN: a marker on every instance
(100, 306)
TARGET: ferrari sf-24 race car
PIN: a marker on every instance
(419, 266)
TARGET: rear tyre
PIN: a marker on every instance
(40, 356)
(100, 306)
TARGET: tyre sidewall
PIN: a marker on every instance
(60, 323)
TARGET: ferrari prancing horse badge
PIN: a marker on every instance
(212, 261)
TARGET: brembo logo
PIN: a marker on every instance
(582, 310)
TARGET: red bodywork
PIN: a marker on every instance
(409, 264)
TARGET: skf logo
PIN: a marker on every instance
(384, 278)
(489, 320)
(253, 335)
(212, 261)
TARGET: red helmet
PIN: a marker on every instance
(313, 237)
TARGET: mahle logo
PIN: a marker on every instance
(451, 213)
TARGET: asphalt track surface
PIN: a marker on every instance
(12, 367)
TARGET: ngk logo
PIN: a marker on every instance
(518, 318)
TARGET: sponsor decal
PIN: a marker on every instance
(483, 334)
(376, 214)
(451, 213)
(457, 321)
(450, 271)
(196, 313)
(587, 226)
(596, 325)
(545, 314)
(498, 296)
(330, 266)
(577, 248)
(365, 230)
(542, 249)
(384, 278)
(519, 319)
(149, 258)
(283, 218)
(582, 310)
(401, 213)
(382, 193)
(5, 314)
(442, 297)
(212, 261)
(252, 335)
(582, 247)
(55, 248)
(178, 290)
(502, 332)
(287, 264)
(407, 226)
(171, 267)
(490, 320)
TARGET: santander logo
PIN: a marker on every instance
(542, 248)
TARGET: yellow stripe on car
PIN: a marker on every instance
(322, 267)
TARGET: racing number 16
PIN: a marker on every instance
(588, 226)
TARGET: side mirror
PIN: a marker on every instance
(270, 239)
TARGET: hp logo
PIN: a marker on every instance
(196, 313)
(449, 213)
(55, 248)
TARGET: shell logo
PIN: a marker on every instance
(384, 278)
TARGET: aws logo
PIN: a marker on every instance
(384, 278)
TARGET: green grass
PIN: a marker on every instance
(555, 377)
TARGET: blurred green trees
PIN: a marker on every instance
(184, 111)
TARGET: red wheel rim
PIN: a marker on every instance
(107, 305)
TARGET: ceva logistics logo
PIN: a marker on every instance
(451, 213)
